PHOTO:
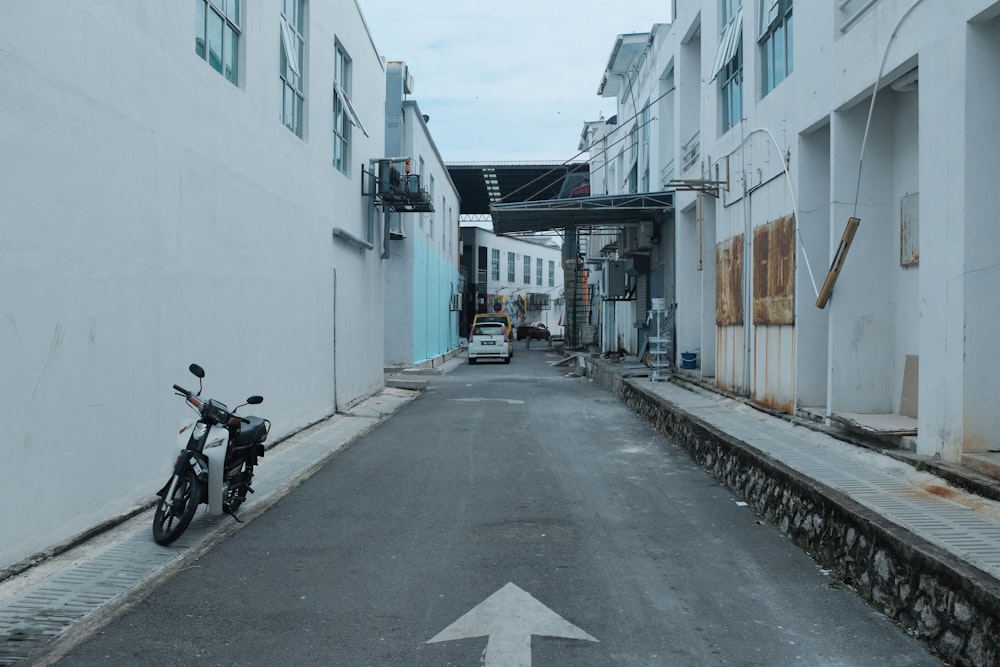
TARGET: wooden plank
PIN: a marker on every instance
(911, 375)
(838, 262)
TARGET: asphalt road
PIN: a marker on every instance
(570, 532)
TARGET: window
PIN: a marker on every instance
(729, 64)
(495, 264)
(217, 36)
(527, 270)
(731, 90)
(291, 62)
(511, 267)
(344, 115)
(775, 41)
(552, 273)
(538, 271)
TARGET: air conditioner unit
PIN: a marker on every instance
(630, 240)
(456, 301)
(645, 235)
(617, 285)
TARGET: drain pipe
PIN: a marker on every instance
(747, 270)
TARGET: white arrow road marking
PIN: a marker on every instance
(511, 401)
(509, 618)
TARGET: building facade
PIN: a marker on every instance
(521, 276)
(182, 184)
(830, 251)
(422, 277)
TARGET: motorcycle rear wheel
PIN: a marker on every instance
(174, 512)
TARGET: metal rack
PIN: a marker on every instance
(660, 344)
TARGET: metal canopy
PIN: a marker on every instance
(481, 185)
(581, 213)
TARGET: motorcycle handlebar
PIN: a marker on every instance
(185, 392)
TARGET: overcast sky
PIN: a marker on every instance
(505, 81)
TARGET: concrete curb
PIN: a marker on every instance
(949, 604)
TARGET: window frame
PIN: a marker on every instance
(527, 270)
(292, 69)
(511, 267)
(342, 109)
(731, 91)
(495, 264)
(229, 13)
(774, 30)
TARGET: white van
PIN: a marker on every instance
(489, 341)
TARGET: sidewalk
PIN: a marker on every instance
(920, 549)
(69, 594)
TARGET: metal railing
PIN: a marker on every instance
(690, 151)
(667, 173)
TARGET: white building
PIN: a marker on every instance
(421, 309)
(520, 275)
(761, 115)
(171, 184)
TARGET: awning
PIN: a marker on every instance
(595, 213)
(729, 43)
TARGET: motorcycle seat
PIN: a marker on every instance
(253, 432)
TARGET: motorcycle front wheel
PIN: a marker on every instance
(175, 510)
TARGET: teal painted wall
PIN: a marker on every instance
(435, 278)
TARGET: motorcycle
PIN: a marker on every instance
(215, 466)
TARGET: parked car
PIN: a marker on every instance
(534, 331)
(489, 340)
(500, 318)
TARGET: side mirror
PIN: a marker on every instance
(254, 400)
(197, 371)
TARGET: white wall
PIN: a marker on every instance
(153, 214)
(937, 141)
(980, 421)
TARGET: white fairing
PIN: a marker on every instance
(216, 456)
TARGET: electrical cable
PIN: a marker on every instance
(791, 193)
(587, 149)
(871, 107)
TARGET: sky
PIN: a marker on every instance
(507, 81)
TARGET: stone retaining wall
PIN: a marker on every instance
(953, 607)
